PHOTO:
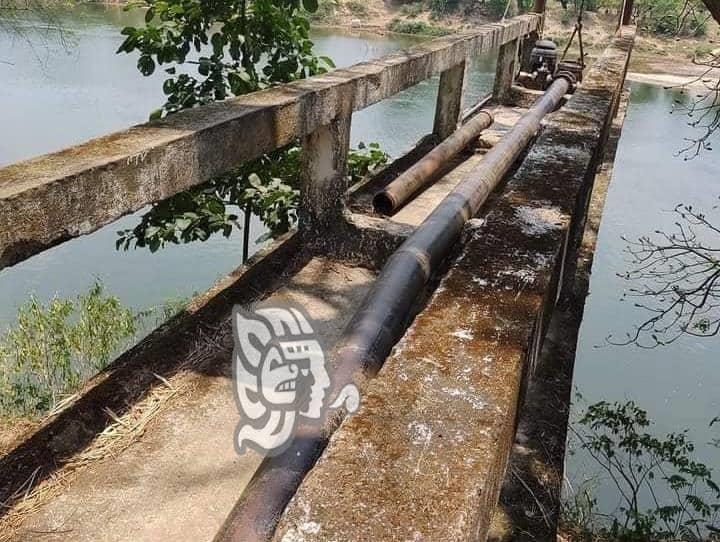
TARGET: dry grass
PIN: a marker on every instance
(120, 433)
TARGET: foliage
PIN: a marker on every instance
(242, 46)
(266, 187)
(325, 12)
(417, 27)
(237, 47)
(356, 7)
(678, 278)
(684, 499)
(672, 17)
(53, 348)
(365, 160)
(441, 7)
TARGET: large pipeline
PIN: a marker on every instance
(426, 169)
(379, 323)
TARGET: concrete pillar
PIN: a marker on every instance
(627, 11)
(505, 73)
(449, 101)
(526, 47)
(324, 174)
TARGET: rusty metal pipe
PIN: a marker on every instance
(379, 323)
(425, 171)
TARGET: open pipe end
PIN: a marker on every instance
(384, 203)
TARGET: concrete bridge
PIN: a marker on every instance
(479, 378)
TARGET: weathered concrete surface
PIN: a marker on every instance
(47, 200)
(529, 505)
(132, 377)
(505, 71)
(182, 477)
(424, 457)
(449, 100)
(324, 174)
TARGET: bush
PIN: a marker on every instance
(683, 499)
(416, 27)
(325, 11)
(441, 7)
(357, 7)
(53, 349)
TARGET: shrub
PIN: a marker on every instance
(683, 499)
(357, 7)
(441, 7)
(325, 11)
(671, 17)
(416, 27)
(52, 349)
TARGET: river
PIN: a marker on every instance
(56, 90)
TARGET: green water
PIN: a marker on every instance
(679, 384)
(59, 90)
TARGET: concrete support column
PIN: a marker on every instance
(449, 101)
(526, 47)
(627, 11)
(505, 73)
(324, 173)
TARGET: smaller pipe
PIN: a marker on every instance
(424, 172)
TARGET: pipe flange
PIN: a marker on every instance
(568, 76)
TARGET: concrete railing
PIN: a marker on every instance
(48, 200)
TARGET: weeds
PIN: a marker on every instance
(52, 349)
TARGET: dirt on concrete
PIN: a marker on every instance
(179, 476)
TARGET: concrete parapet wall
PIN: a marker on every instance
(423, 458)
(47, 200)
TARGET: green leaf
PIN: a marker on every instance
(327, 60)
(146, 65)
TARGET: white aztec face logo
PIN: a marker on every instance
(280, 374)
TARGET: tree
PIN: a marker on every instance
(664, 493)
(713, 6)
(235, 47)
(679, 280)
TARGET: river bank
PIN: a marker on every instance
(656, 59)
